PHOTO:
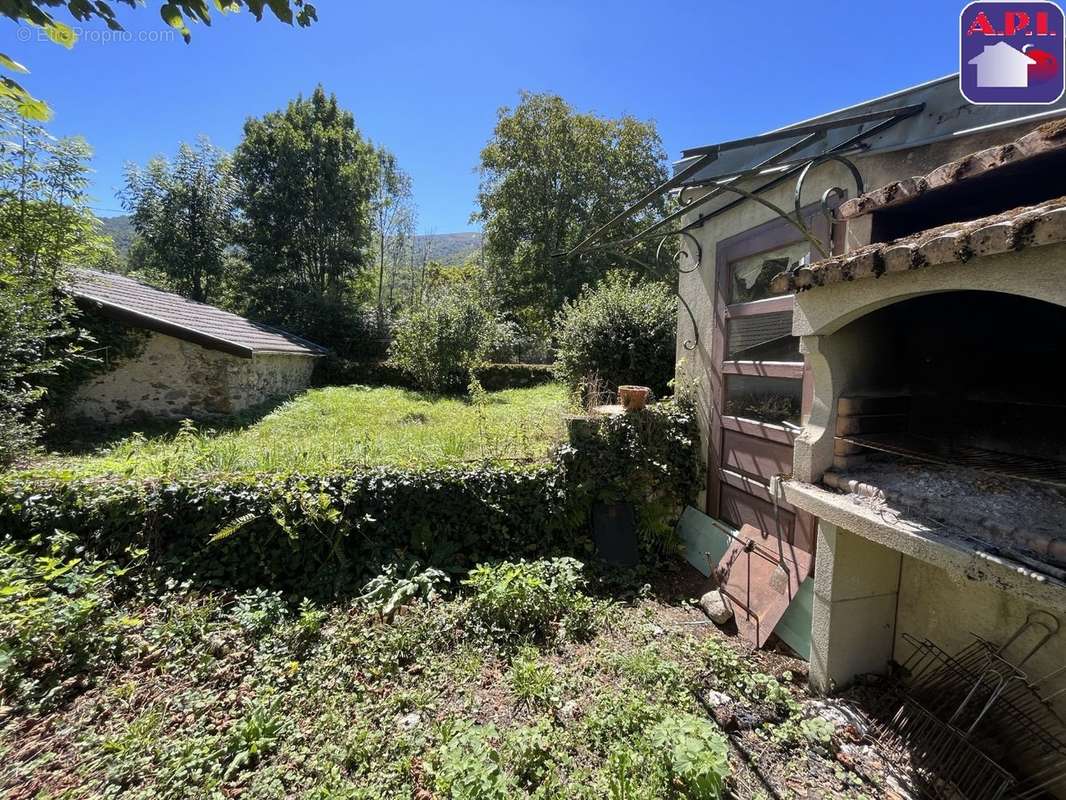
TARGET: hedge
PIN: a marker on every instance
(495, 377)
(335, 371)
(325, 535)
(332, 371)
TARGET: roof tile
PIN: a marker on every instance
(1028, 226)
(175, 315)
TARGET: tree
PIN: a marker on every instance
(391, 213)
(549, 177)
(183, 212)
(306, 176)
(174, 12)
(44, 226)
(440, 344)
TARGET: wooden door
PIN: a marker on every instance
(760, 388)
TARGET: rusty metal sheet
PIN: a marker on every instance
(761, 578)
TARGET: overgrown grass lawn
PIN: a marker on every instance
(518, 681)
(323, 429)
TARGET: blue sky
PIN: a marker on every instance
(426, 78)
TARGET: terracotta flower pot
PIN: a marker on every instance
(633, 398)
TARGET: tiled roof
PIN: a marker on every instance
(1048, 139)
(210, 327)
(1028, 226)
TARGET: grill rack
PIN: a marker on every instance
(964, 715)
(946, 764)
(924, 448)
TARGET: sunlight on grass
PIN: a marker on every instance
(335, 427)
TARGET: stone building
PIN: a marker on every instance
(197, 361)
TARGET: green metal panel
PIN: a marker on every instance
(705, 541)
(794, 629)
(703, 538)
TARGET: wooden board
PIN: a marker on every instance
(794, 629)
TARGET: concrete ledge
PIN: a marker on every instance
(917, 541)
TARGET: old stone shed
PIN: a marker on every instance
(198, 361)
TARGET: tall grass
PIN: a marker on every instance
(339, 427)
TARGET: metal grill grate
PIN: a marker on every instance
(966, 712)
(924, 448)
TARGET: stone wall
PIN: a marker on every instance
(172, 379)
(267, 376)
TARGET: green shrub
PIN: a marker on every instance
(311, 535)
(533, 754)
(58, 619)
(324, 534)
(257, 612)
(468, 766)
(392, 589)
(532, 681)
(252, 737)
(531, 601)
(620, 332)
(694, 753)
(337, 323)
(332, 370)
(441, 342)
(733, 674)
(651, 459)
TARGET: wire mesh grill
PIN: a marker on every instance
(923, 448)
(945, 765)
(967, 715)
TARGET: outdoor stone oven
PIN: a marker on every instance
(933, 454)
(876, 375)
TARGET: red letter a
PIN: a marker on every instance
(981, 24)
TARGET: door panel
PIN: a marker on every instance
(739, 508)
(758, 382)
(753, 487)
(756, 457)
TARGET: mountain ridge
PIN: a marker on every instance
(447, 248)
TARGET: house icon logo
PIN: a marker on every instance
(1012, 53)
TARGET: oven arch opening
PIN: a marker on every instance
(961, 369)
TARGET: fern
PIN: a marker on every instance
(228, 530)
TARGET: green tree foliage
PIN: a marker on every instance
(549, 177)
(306, 177)
(175, 13)
(439, 344)
(621, 332)
(184, 215)
(392, 217)
(44, 225)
